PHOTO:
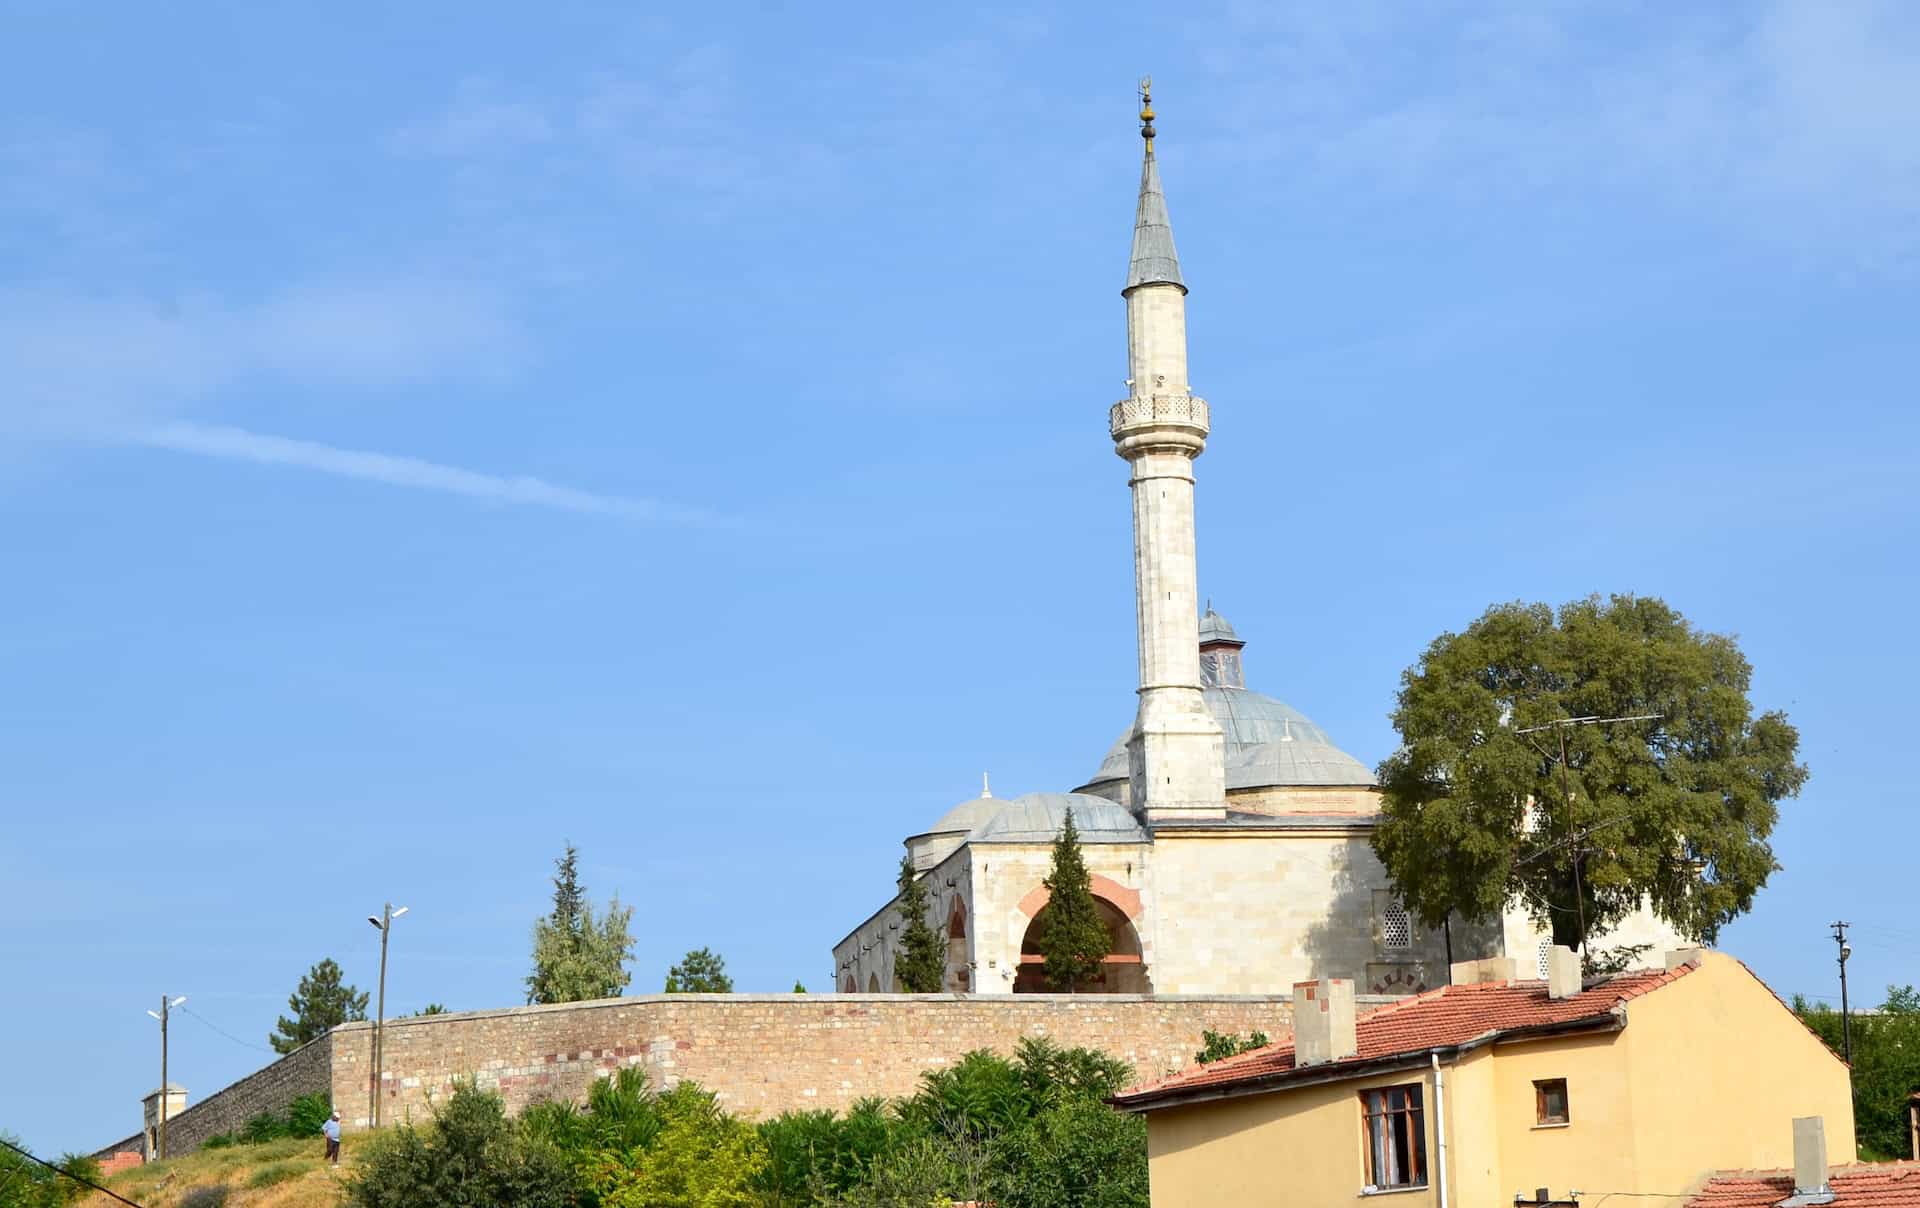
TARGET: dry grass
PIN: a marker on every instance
(278, 1174)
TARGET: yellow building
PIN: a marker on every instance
(1492, 1088)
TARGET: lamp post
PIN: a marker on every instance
(166, 1096)
(385, 925)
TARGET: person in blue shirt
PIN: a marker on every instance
(331, 1129)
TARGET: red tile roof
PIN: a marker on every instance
(1868, 1185)
(1439, 1019)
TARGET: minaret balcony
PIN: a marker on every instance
(1158, 410)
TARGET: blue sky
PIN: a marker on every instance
(432, 433)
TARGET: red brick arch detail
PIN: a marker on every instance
(1126, 901)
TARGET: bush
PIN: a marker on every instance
(701, 1157)
(1217, 1046)
(469, 1154)
(308, 1113)
(214, 1196)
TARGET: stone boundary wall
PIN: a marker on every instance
(763, 1054)
(305, 1071)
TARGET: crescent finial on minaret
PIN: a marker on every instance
(1146, 110)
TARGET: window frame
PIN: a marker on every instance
(1382, 1123)
(1542, 1087)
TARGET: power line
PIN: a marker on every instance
(67, 1173)
(229, 1035)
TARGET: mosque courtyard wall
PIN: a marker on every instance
(763, 1054)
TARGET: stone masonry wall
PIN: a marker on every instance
(305, 1071)
(765, 1053)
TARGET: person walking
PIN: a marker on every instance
(331, 1129)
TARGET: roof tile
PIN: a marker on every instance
(1865, 1185)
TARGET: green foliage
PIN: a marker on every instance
(701, 1158)
(1216, 1046)
(213, 1196)
(303, 1118)
(577, 956)
(1886, 1068)
(922, 964)
(1071, 935)
(432, 1008)
(1079, 1152)
(321, 1002)
(700, 971)
(798, 988)
(27, 1184)
(469, 1155)
(275, 1173)
(1675, 811)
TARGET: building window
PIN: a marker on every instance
(1396, 1138)
(1396, 927)
(1550, 1101)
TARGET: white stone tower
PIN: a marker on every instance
(1176, 760)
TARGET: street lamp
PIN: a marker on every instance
(166, 1096)
(384, 923)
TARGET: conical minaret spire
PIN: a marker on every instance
(1176, 759)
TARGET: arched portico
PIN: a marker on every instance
(1124, 971)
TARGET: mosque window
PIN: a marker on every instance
(1544, 957)
(1396, 926)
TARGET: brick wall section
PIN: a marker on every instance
(766, 1053)
(305, 1071)
(136, 1146)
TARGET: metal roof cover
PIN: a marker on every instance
(1039, 818)
(1154, 260)
(1269, 744)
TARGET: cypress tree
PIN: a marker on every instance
(322, 1002)
(1071, 936)
(922, 963)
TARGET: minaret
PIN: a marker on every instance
(1175, 757)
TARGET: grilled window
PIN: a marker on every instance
(1396, 927)
(1396, 1137)
(1550, 1101)
(1546, 955)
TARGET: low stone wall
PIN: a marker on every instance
(305, 1071)
(765, 1053)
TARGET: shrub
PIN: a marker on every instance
(214, 1196)
(1216, 1046)
(306, 1114)
(469, 1154)
(701, 1156)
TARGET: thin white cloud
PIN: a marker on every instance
(215, 440)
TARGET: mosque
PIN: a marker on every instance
(1226, 834)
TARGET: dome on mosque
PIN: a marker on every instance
(1269, 743)
(967, 815)
(1039, 818)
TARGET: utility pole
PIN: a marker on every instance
(166, 1093)
(1846, 1019)
(385, 924)
(1566, 790)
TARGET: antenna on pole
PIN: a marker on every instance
(1566, 789)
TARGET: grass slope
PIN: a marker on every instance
(292, 1173)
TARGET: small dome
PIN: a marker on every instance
(1214, 628)
(1040, 817)
(967, 815)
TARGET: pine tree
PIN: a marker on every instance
(1070, 933)
(922, 963)
(701, 971)
(320, 1003)
(576, 956)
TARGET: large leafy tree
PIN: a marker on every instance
(701, 971)
(1072, 937)
(577, 956)
(319, 1003)
(922, 963)
(1674, 810)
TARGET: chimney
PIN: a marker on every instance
(1809, 1156)
(1563, 972)
(1685, 956)
(1323, 1025)
(1489, 969)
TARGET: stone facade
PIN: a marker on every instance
(763, 1054)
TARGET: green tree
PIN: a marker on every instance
(1218, 1046)
(25, 1183)
(432, 1008)
(319, 1003)
(1674, 811)
(1886, 1068)
(797, 987)
(470, 1155)
(575, 955)
(922, 963)
(700, 971)
(1072, 937)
